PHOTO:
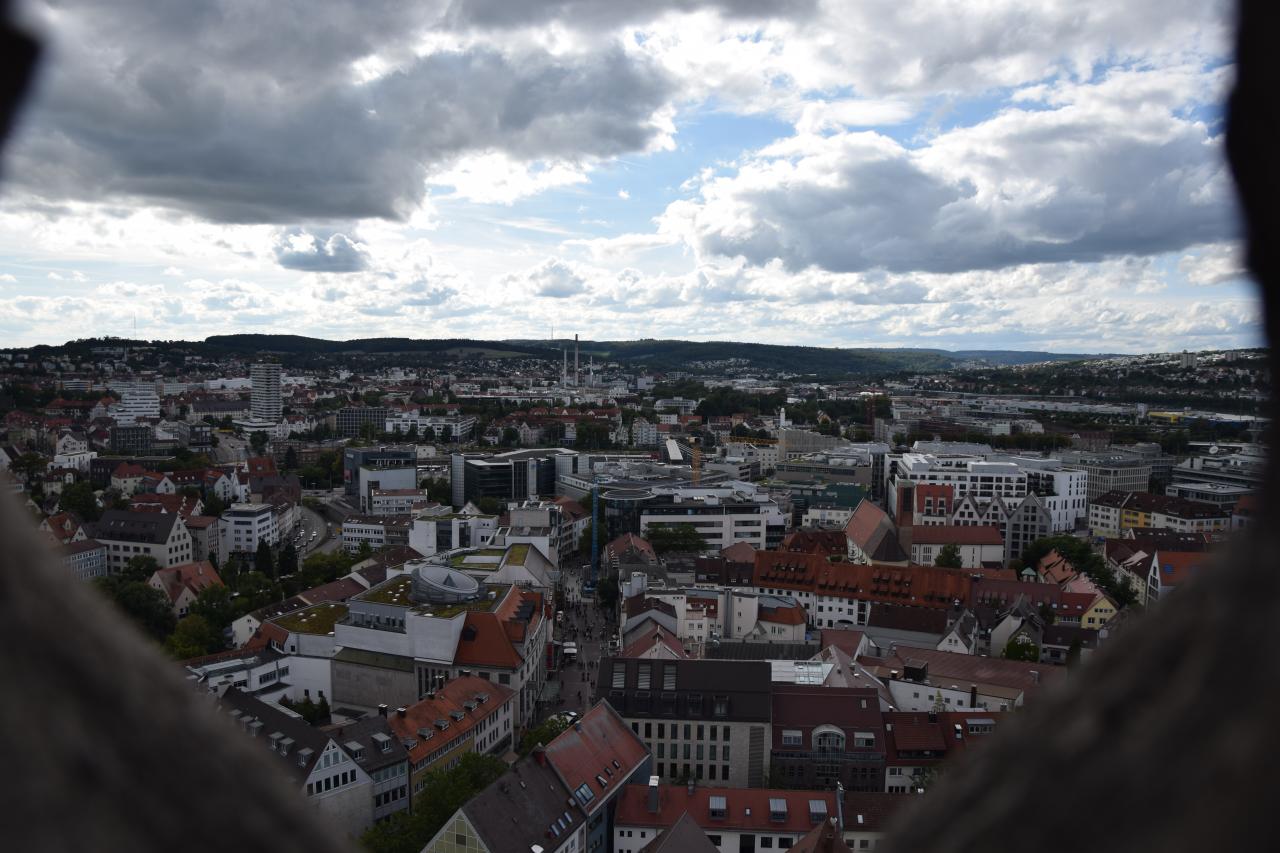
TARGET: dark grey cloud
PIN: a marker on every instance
(298, 249)
(257, 116)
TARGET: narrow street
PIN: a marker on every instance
(587, 626)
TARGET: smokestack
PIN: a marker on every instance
(575, 360)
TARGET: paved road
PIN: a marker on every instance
(586, 625)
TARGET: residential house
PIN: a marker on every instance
(560, 799)
(159, 535)
(182, 584)
(457, 717)
(316, 763)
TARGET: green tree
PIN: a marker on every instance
(258, 441)
(1073, 654)
(1086, 561)
(80, 499)
(144, 606)
(1020, 647)
(214, 506)
(443, 793)
(262, 561)
(543, 733)
(510, 437)
(491, 506)
(437, 490)
(674, 537)
(216, 606)
(949, 557)
(28, 465)
(254, 590)
(192, 638)
(288, 562)
(139, 569)
(291, 459)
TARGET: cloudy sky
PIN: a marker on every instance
(941, 173)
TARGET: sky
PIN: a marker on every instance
(952, 174)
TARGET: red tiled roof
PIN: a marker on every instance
(193, 576)
(925, 586)
(831, 542)
(794, 615)
(932, 490)
(484, 642)
(180, 504)
(127, 470)
(864, 521)
(964, 669)
(746, 809)
(452, 697)
(589, 751)
(739, 552)
(1177, 566)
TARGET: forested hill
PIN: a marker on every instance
(706, 357)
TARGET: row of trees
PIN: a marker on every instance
(1085, 560)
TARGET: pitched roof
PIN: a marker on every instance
(526, 806)
(745, 809)
(599, 751)
(448, 707)
(1176, 567)
(816, 542)
(871, 529)
(192, 576)
(963, 670)
(790, 614)
(925, 586)
(152, 528)
(651, 634)
(630, 541)
(685, 836)
(274, 720)
(739, 552)
(183, 505)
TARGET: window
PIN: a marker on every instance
(714, 839)
(645, 671)
(766, 842)
(792, 737)
(777, 809)
(721, 707)
(619, 677)
(669, 677)
(719, 806)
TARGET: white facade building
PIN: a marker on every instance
(244, 525)
(267, 403)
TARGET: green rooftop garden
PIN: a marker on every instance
(518, 554)
(319, 619)
(394, 591)
(484, 605)
(483, 558)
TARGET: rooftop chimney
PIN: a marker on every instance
(1035, 676)
(653, 795)
(382, 710)
(691, 786)
(973, 695)
(400, 711)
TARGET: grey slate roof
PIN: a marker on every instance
(518, 810)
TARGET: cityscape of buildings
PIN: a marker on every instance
(740, 608)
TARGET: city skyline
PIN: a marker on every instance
(807, 174)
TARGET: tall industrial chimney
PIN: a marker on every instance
(575, 360)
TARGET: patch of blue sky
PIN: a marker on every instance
(625, 194)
